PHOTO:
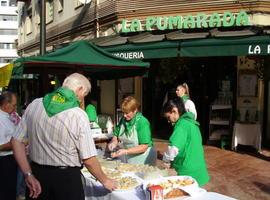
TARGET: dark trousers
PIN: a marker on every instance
(8, 177)
(58, 183)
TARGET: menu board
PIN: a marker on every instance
(247, 84)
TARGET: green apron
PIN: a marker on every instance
(131, 140)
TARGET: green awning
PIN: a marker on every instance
(161, 49)
(219, 46)
(81, 56)
(228, 46)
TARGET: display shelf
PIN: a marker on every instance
(220, 107)
(220, 121)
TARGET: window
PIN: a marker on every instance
(49, 11)
(28, 24)
(7, 46)
(8, 18)
(3, 3)
(60, 5)
(8, 32)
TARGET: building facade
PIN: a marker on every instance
(8, 31)
(209, 44)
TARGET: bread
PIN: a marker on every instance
(174, 193)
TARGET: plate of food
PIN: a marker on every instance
(128, 181)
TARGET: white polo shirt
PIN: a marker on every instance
(7, 129)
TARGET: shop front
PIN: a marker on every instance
(208, 53)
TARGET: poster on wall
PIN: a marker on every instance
(248, 84)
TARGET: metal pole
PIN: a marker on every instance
(97, 19)
(42, 27)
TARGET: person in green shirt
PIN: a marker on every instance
(91, 113)
(185, 151)
(132, 136)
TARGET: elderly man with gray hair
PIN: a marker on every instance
(59, 143)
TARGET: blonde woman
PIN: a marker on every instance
(133, 136)
(183, 92)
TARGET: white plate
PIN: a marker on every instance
(132, 175)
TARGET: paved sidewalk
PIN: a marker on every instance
(234, 174)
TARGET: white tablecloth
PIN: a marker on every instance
(247, 134)
(94, 191)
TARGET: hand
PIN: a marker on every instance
(110, 184)
(33, 185)
(112, 146)
(167, 165)
(118, 153)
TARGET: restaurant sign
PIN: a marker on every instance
(259, 49)
(130, 55)
(201, 20)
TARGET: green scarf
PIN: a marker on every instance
(185, 98)
(189, 116)
(130, 124)
(60, 100)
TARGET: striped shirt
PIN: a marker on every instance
(61, 140)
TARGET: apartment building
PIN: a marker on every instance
(8, 31)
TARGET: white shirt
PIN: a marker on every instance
(190, 107)
(170, 154)
(7, 129)
(61, 140)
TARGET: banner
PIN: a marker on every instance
(5, 74)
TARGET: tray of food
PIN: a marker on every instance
(175, 187)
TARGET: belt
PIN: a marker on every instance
(53, 167)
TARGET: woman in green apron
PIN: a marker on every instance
(182, 91)
(133, 136)
(185, 151)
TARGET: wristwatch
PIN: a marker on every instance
(28, 174)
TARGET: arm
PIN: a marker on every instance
(94, 168)
(191, 108)
(134, 150)
(170, 154)
(20, 156)
(113, 143)
(6, 147)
